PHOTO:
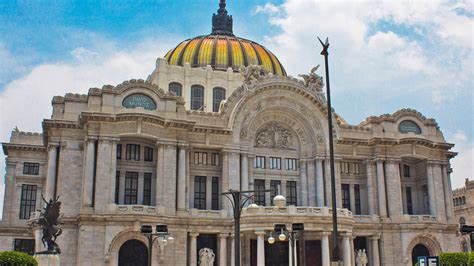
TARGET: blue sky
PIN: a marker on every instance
(384, 55)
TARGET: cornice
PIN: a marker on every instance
(22, 147)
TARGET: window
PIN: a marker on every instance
(259, 197)
(147, 189)
(215, 193)
(356, 168)
(117, 186)
(27, 201)
(218, 95)
(148, 154)
(176, 88)
(30, 168)
(275, 163)
(291, 193)
(24, 245)
(346, 196)
(406, 170)
(119, 151)
(200, 192)
(200, 158)
(291, 164)
(197, 97)
(409, 201)
(215, 159)
(344, 167)
(358, 209)
(133, 152)
(409, 126)
(275, 187)
(259, 162)
(131, 188)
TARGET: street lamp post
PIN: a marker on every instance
(239, 199)
(293, 235)
(161, 234)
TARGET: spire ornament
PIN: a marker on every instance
(221, 22)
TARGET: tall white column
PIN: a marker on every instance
(439, 187)
(394, 189)
(447, 192)
(245, 171)
(303, 185)
(381, 189)
(352, 198)
(375, 250)
(325, 249)
(223, 249)
(431, 189)
(232, 250)
(337, 174)
(160, 161)
(260, 248)
(105, 173)
(327, 180)
(370, 188)
(346, 250)
(50, 178)
(193, 249)
(181, 193)
(319, 183)
(225, 181)
(87, 183)
(311, 183)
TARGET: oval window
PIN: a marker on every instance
(409, 126)
(139, 100)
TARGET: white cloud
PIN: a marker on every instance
(463, 163)
(267, 8)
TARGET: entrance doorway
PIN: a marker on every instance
(277, 254)
(133, 253)
(419, 251)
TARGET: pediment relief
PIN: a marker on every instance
(274, 136)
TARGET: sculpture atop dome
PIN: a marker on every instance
(221, 22)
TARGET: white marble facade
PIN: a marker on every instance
(394, 184)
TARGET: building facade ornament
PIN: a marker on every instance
(274, 136)
(313, 81)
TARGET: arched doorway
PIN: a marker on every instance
(133, 253)
(419, 251)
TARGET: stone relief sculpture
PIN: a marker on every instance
(252, 74)
(206, 257)
(274, 136)
(313, 80)
(361, 259)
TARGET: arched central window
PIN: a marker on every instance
(176, 88)
(218, 95)
(409, 126)
(197, 97)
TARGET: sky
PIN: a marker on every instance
(384, 55)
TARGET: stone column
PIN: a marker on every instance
(319, 183)
(431, 189)
(327, 180)
(337, 173)
(439, 187)
(375, 250)
(88, 174)
(346, 250)
(303, 185)
(38, 233)
(290, 254)
(394, 187)
(105, 173)
(193, 249)
(370, 188)
(245, 171)
(160, 160)
(352, 198)
(141, 182)
(166, 175)
(181, 192)
(232, 250)
(447, 192)
(51, 177)
(225, 204)
(325, 249)
(381, 189)
(223, 249)
(260, 248)
(311, 183)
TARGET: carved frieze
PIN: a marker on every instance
(274, 136)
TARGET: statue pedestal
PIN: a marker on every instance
(47, 259)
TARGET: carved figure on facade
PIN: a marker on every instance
(274, 136)
(252, 74)
(312, 80)
(206, 257)
(49, 222)
(361, 259)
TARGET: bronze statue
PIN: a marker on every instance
(49, 221)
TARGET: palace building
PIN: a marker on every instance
(217, 113)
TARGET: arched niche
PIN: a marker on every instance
(428, 241)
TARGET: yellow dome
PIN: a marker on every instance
(221, 49)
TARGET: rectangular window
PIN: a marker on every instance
(133, 152)
(147, 189)
(24, 245)
(291, 164)
(200, 192)
(275, 163)
(215, 193)
(117, 186)
(275, 187)
(406, 170)
(259, 197)
(356, 168)
(215, 159)
(346, 196)
(119, 151)
(409, 201)
(291, 193)
(200, 158)
(30, 168)
(358, 210)
(148, 154)
(131, 188)
(27, 201)
(344, 167)
(259, 162)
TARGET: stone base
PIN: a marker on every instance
(47, 259)
(337, 263)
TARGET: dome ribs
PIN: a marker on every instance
(246, 61)
(256, 52)
(197, 51)
(229, 53)
(271, 60)
(214, 51)
(181, 55)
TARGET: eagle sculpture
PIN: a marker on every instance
(49, 222)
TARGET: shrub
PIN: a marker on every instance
(470, 258)
(13, 258)
(454, 258)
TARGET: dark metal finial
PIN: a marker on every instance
(221, 22)
(325, 46)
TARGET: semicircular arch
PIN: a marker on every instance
(429, 241)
